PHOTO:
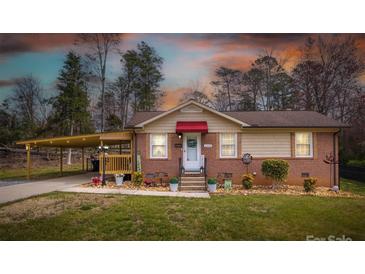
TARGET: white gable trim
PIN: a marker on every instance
(189, 103)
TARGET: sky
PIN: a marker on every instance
(189, 59)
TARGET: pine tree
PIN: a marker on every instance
(149, 77)
(70, 107)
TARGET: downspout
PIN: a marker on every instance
(335, 160)
(135, 150)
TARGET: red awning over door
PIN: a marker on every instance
(193, 126)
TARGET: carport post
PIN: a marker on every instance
(83, 158)
(61, 160)
(27, 148)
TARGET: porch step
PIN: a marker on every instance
(192, 173)
(192, 188)
(190, 178)
(193, 183)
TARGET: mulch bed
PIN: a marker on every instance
(286, 190)
(127, 185)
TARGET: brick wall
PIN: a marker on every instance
(323, 143)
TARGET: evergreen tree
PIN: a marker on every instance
(147, 86)
(70, 107)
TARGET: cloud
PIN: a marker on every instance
(173, 96)
(20, 43)
(7, 83)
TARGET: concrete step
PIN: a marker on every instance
(192, 173)
(192, 188)
(194, 191)
(185, 178)
(193, 183)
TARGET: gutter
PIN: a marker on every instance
(135, 150)
(335, 183)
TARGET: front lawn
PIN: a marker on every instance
(353, 186)
(66, 216)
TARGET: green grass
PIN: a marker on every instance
(44, 172)
(253, 217)
(353, 186)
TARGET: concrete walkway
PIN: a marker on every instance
(25, 190)
(137, 192)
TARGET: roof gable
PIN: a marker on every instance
(189, 106)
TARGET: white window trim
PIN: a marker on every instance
(167, 146)
(220, 146)
(310, 145)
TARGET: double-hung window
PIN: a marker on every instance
(303, 144)
(158, 146)
(228, 145)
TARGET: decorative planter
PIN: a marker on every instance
(119, 179)
(227, 184)
(174, 187)
(212, 187)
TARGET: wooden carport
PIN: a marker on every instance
(117, 163)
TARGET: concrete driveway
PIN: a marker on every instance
(21, 191)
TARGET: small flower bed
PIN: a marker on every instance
(126, 185)
(283, 190)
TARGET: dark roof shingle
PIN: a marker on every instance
(285, 119)
(142, 116)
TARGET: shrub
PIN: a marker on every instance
(309, 184)
(275, 169)
(356, 163)
(247, 180)
(212, 181)
(174, 180)
(137, 178)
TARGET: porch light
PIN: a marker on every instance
(103, 148)
(179, 135)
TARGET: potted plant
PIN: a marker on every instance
(212, 184)
(174, 184)
(247, 180)
(119, 179)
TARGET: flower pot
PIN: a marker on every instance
(174, 187)
(119, 180)
(212, 187)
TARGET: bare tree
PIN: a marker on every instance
(100, 45)
(197, 93)
(327, 78)
(225, 85)
(28, 102)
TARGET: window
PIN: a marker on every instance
(228, 145)
(158, 146)
(266, 144)
(303, 144)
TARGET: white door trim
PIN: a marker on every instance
(192, 165)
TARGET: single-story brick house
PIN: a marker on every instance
(192, 137)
